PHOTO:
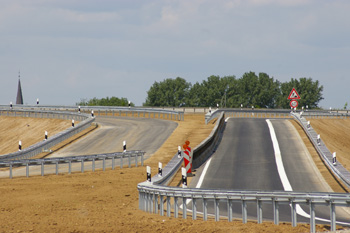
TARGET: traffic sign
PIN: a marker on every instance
(294, 95)
(294, 104)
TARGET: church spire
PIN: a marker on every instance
(19, 99)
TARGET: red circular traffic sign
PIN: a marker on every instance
(293, 103)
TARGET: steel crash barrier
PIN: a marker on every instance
(132, 157)
(155, 197)
(31, 151)
(108, 111)
(337, 168)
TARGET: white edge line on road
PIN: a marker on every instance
(283, 175)
(200, 181)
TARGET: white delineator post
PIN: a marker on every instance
(308, 125)
(79, 109)
(92, 113)
(318, 139)
(124, 146)
(129, 103)
(37, 101)
(11, 105)
(210, 110)
(334, 158)
(160, 169)
(45, 135)
(148, 168)
(179, 151)
(184, 177)
(19, 145)
(73, 123)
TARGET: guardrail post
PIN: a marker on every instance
(27, 169)
(135, 160)
(151, 202)
(229, 209)
(312, 217)
(10, 170)
(184, 207)
(176, 207)
(121, 161)
(259, 210)
(104, 164)
(217, 210)
(42, 168)
(82, 166)
(93, 164)
(333, 216)
(275, 211)
(156, 203)
(244, 211)
(142, 159)
(205, 209)
(194, 208)
(56, 167)
(294, 214)
(161, 205)
(129, 160)
(113, 163)
(70, 167)
(168, 206)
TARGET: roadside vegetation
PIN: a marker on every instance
(251, 90)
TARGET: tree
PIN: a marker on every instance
(113, 101)
(310, 92)
(168, 93)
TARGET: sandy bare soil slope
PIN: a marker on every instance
(108, 201)
(336, 135)
(28, 130)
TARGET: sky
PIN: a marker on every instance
(69, 50)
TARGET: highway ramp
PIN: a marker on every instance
(139, 133)
(245, 160)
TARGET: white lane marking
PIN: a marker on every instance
(200, 181)
(283, 175)
(278, 158)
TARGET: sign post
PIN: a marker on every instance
(294, 96)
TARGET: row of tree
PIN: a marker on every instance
(260, 91)
(113, 101)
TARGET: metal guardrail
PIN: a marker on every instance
(33, 150)
(152, 197)
(131, 156)
(271, 113)
(342, 173)
(107, 110)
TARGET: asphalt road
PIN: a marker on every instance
(245, 160)
(139, 133)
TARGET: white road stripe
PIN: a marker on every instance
(200, 181)
(283, 175)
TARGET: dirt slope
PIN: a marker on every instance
(28, 130)
(108, 201)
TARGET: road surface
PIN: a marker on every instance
(139, 133)
(245, 160)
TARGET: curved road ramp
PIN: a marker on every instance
(285, 204)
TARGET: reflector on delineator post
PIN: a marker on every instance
(334, 158)
(160, 169)
(184, 177)
(148, 168)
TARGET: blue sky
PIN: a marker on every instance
(67, 50)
